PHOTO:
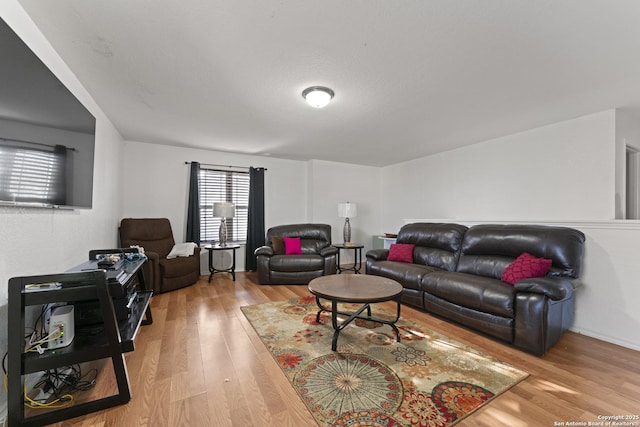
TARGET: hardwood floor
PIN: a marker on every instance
(201, 364)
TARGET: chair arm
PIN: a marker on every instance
(152, 268)
(378, 254)
(328, 251)
(264, 250)
(556, 288)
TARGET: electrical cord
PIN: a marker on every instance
(37, 345)
(59, 383)
(60, 402)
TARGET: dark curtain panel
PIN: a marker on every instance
(255, 221)
(193, 206)
(60, 179)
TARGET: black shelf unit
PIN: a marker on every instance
(111, 340)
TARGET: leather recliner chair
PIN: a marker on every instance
(318, 257)
(155, 236)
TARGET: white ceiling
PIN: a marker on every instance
(411, 77)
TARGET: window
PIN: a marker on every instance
(30, 175)
(223, 186)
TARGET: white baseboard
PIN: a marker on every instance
(622, 343)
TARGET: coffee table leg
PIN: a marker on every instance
(393, 324)
(352, 316)
(211, 270)
(321, 307)
(334, 323)
(341, 326)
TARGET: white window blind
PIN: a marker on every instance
(223, 186)
(29, 175)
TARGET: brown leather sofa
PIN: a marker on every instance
(456, 274)
(318, 257)
(156, 237)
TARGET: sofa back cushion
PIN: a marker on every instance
(313, 237)
(153, 234)
(488, 249)
(436, 244)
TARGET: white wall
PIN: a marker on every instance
(157, 181)
(607, 303)
(561, 174)
(561, 171)
(157, 185)
(331, 183)
(43, 241)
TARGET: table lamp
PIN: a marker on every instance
(223, 210)
(346, 211)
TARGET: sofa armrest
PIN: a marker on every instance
(556, 288)
(328, 251)
(378, 254)
(152, 272)
(264, 250)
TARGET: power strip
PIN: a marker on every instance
(42, 395)
(31, 380)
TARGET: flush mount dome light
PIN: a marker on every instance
(317, 96)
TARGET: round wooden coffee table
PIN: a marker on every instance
(355, 288)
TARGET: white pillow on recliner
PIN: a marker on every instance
(182, 249)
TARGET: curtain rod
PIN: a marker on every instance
(35, 143)
(224, 166)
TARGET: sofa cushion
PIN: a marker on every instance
(313, 237)
(408, 275)
(490, 324)
(153, 234)
(292, 245)
(488, 249)
(278, 245)
(476, 292)
(401, 252)
(293, 263)
(525, 266)
(437, 245)
(178, 267)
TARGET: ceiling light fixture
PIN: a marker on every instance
(317, 96)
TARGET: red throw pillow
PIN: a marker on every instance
(292, 245)
(402, 252)
(525, 266)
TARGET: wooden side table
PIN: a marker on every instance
(212, 269)
(357, 256)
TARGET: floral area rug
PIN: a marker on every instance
(372, 380)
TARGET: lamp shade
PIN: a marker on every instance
(347, 210)
(224, 210)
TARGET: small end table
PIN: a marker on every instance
(357, 256)
(212, 269)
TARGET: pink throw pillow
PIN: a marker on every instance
(402, 252)
(292, 245)
(525, 266)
